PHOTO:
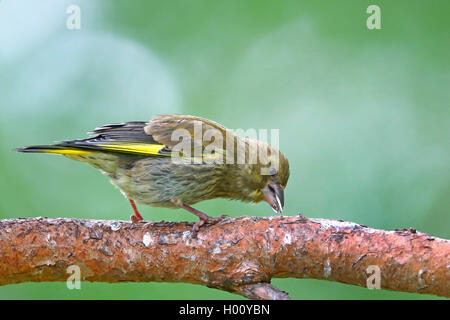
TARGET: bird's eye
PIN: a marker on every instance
(272, 171)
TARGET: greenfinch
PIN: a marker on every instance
(176, 161)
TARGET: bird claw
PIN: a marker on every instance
(218, 219)
(211, 220)
(135, 218)
(197, 225)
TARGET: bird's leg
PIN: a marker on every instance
(136, 216)
(202, 216)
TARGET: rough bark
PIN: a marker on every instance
(238, 255)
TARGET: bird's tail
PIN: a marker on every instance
(55, 149)
(105, 161)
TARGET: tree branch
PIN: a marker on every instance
(239, 255)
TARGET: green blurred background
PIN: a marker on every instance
(363, 114)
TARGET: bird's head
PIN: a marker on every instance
(267, 180)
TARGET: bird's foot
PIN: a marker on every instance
(205, 219)
(134, 218)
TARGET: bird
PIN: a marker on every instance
(176, 161)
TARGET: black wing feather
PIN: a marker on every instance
(132, 132)
(127, 132)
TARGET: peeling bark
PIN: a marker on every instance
(239, 255)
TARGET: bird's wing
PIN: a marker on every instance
(167, 128)
(154, 138)
(127, 137)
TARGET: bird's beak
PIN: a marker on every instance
(274, 195)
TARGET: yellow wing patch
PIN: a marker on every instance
(66, 151)
(136, 148)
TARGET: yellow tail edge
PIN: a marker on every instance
(54, 150)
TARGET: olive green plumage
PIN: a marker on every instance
(139, 158)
